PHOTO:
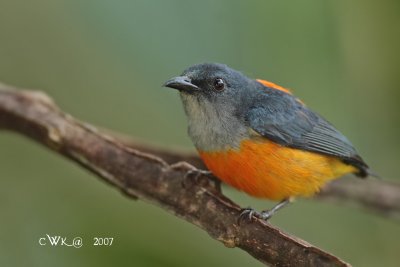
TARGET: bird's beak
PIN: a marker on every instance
(181, 83)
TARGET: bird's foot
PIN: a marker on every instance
(248, 214)
(197, 176)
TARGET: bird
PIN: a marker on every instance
(257, 137)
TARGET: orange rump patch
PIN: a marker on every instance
(273, 85)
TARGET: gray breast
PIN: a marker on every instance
(211, 128)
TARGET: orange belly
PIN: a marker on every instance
(268, 170)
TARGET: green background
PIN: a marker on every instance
(104, 62)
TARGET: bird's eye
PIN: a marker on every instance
(219, 84)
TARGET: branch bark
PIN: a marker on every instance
(145, 176)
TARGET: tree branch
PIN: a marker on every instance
(142, 175)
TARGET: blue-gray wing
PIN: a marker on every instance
(280, 117)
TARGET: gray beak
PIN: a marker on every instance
(181, 83)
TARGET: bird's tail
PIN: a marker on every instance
(370, 172)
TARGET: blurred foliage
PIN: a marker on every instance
(104, 62)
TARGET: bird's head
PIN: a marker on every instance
(212, 88)
(215, 98)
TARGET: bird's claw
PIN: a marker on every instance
(196, 174)
(248, 214)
